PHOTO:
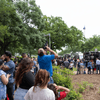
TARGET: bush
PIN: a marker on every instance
(81, 88)
(85, 84)
(73, 96)
(12, 59)
(62, 77)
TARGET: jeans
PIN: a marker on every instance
(20, 94)
(78, 70)
(10, 91)
(75, 64)
(97, 68)
(51, 80)
(89, 70)
(13, 88)
(93, 70)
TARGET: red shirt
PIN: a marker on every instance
(62, 95)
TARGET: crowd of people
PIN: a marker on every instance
(28, 78)
(83, 66)
(31, 78)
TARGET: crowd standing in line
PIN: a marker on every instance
(83, 66)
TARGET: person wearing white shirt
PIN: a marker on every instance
(40, 91)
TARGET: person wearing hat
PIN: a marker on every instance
(9, 68)
(3, 81)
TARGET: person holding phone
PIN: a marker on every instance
(9, 68)
(3, 81)
(45, 61)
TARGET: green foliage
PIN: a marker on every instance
(12, 59)
(81, 88)
(85, 84)
(20, 25)
(91, 86)
(99, 91)
(90, 44)
(62, 77)
(73, 96)
(61, 35)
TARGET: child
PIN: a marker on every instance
(59, 95)
(3, 81)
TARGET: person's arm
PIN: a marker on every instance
(5, 79)
(63, 88)
(5, 67)
(56, 55)
(8, 66)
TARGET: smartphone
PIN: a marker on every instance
(46, 44)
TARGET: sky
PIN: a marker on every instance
(78, 13)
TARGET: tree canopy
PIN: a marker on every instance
(61, 35)
(23, 28)
(20, 25)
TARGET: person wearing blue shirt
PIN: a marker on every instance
(9, 68)
(93, 66)
(35, 66)
(3, 81)
(97, 66)
(45, 61)
(89, 66)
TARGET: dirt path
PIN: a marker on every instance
(88, 94)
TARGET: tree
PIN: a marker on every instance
(90, 43)
(8, 25)
(20, 25)
(61, 35)
(31, 15)
(57, 29)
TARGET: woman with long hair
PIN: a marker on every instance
(40, 91)
(24, 78)
(58, 95)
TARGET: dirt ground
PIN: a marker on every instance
(89, 93)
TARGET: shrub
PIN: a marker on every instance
(62, 77)
(85, 83)
(81, 88)
(73, 96)
(91, 85)
(12, 59)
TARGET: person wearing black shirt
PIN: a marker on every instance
(24, 78)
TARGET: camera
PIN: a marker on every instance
(46, 44)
